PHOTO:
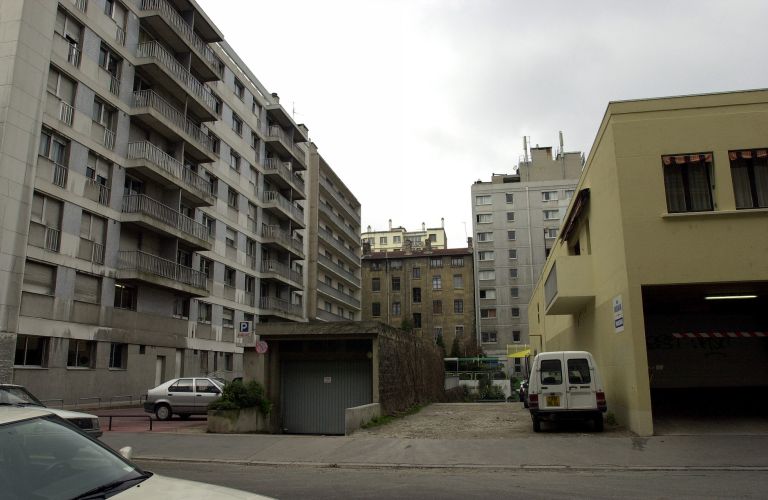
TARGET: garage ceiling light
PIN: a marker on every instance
(729, 297)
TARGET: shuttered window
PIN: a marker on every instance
(87, 288)
(39, 278)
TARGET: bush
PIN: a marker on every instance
(238, 395)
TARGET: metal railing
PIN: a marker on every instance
(156, 51)
(136, 260)
(281, 236)
(143, 204)
(174, 19)
(276, 304)
(114, 85)
(283, 169)
(73, 55)
(273, 266)
(96, 251)
(338, 269)
(338, 245)
(66, 113)
(52, 239)
(109, 139)
(150, 99)
(275, 132)
(60, 175)
(338, 294)
(81, 5)
(332, 189)
(102, 191)
(273, 197)
(120, 35)
(150, 152)
(341, 223)
(249, 299)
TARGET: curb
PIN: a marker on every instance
(520, 468)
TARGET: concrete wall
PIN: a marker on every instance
(355, 418)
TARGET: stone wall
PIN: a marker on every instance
(411, 371)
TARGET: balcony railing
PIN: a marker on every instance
(156, 51)
(340, 223)
(249, 298)
(108, 139)
(81, 5)
(120, 36)
(173, 18)
(66, 113)
(100, 192)
(138, 261)
(150, 152)
(284, 203)
(60, 173)
(114, 85)
(350, 276)
(143, 204)
(276, 304)
(91, 251)
(150, 99)
(273, 266)
(338, 294)
(73, 55)
(338, 245)
(332, 189)
(282, 236)
(283, 169)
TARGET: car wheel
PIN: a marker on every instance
(536, 425)
(598, 420)
(184, 416)
(163, 412)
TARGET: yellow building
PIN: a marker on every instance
(398, 238)
(661, 265)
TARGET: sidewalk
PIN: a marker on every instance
(566, 452)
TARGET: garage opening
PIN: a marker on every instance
(707, 348)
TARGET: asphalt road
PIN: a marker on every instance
(302, 482)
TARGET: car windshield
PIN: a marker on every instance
(45, 458)
(17, 396)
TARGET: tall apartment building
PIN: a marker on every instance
(152, 198)
(333, 229)
(515, 221)
(397, 238)
(430, 289)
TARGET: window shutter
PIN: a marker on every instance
(39, 278)
(87, 288)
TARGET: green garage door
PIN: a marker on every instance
(316, 393)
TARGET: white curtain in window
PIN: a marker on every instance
(698, 185)
(761, 181)
(673, 182)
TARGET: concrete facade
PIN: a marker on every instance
(633, 274)
(515, 220)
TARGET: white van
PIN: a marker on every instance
(565, 385)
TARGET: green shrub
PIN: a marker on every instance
(238, 395)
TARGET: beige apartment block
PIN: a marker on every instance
(398, 238)
(660, 267)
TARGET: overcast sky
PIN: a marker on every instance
(412, 101)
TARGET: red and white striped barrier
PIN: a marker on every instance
(720, 335)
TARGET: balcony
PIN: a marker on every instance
(281, 174)
(159, 63)
(340, 272)
(273, 199)
(326, 212)
(160, 115)
(274, 234)
(338, 295)
(52, 172)
(160, 166)
(338, 245)
(97, 192)
(280, 306)
(142, 266)
(91, 251)
(153, 215)
(333, 195)
(569, 285)
(280, 141)
(44, 237)
(324, 315)
(181, 37)
(282, 271)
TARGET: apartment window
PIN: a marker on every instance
(483, 200)
(217, 103)
(417, 320)
(549, 196)
(229, 276)
(510, 216)
(487, 313)
(514, 292)
(486, 275)
(459, 330)
(551, 214)
(569, 194)
(104, 114)
(749, 171)
(513, 253)
(382, 240)
(437, 283)
(81, 354)
(687, 182)
(376, 265)
(234, 160)
(457, 261)
(376, 284)
(515, 312)
(395, 308)
(416, 273)
(513, 272)
(484, 218)
(118, 356)
(458, 306)
(458, 281)
(181, 307)
(550, 233)
(515, 336)
(511, 235)
(228, 318)
(109, 7)
(92, 234)
(31, 350)
(435, 262)
(87, 288)
(215, 141)
(395, 283)
(39, 278)
(396, 264)
(62, 87)
(70, 30)
(231, 237)
(437, 332)
(485, 255)
(437, 307)
(376, 309)
(204, 312)
(255, 108)
(328, 306)
(239, 89)
(228, 361)
(53, 147)
(396, 240)
(231, 197)
(110, 62)
(255, 143)
(488, 337)
(125, 297)
(509, 197)
(206, 267)
(237, 124)
(485, 236)
(416, 293)
(488, 293)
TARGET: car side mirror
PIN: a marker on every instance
(126, 452)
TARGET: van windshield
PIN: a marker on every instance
(578, 371)
(551, 372)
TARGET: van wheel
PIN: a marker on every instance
(598, 420)
(536, 425)
(163, 412)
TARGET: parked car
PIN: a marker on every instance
(183, 397)
(17, 395)
(522, 392)
(552, 396)
(41, 456)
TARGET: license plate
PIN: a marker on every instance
(553, 400)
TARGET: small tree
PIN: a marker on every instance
(406, 325)
(455, 352)
(440, 343)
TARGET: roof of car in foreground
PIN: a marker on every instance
(9, 414)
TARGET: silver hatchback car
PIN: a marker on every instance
(183, 397)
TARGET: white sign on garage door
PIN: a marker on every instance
(618, 314)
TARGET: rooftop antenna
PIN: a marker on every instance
(525, 148)
(562, 149)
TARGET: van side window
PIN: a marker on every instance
(551, 372)
(578, 371)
